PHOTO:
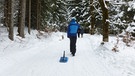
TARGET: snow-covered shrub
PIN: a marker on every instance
(43, 34)
(128, 35)
(115, 48)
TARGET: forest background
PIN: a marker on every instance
(95, 16)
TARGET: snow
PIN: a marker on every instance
(121, 14)
(40, 57)
(129, 9)
(130, 29)
(105, 4)
(131, 4)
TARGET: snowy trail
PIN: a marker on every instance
(43, 60)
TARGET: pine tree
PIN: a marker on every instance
(105, 21)
(28, 15)
(92, 20)
(10, 20)
(22, 18)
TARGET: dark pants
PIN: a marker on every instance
(73, 45)
(78, 34)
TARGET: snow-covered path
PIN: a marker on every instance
(43, 60)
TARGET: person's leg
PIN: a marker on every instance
(81, 35)
(71, 45)
(78, 35)
(74, 45)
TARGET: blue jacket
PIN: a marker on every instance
(72, 29)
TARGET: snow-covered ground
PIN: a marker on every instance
(40, 57)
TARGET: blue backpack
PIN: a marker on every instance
(73, 28)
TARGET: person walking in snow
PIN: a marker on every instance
(79, 31)
(72, 35)
(82, 31)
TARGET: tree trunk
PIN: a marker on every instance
(28, 15)
(34, 14)
(38, 14)
(105, 22)
(29, 21)
(92, 29)
(19, 19)
(22, 18)
(10, 14)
